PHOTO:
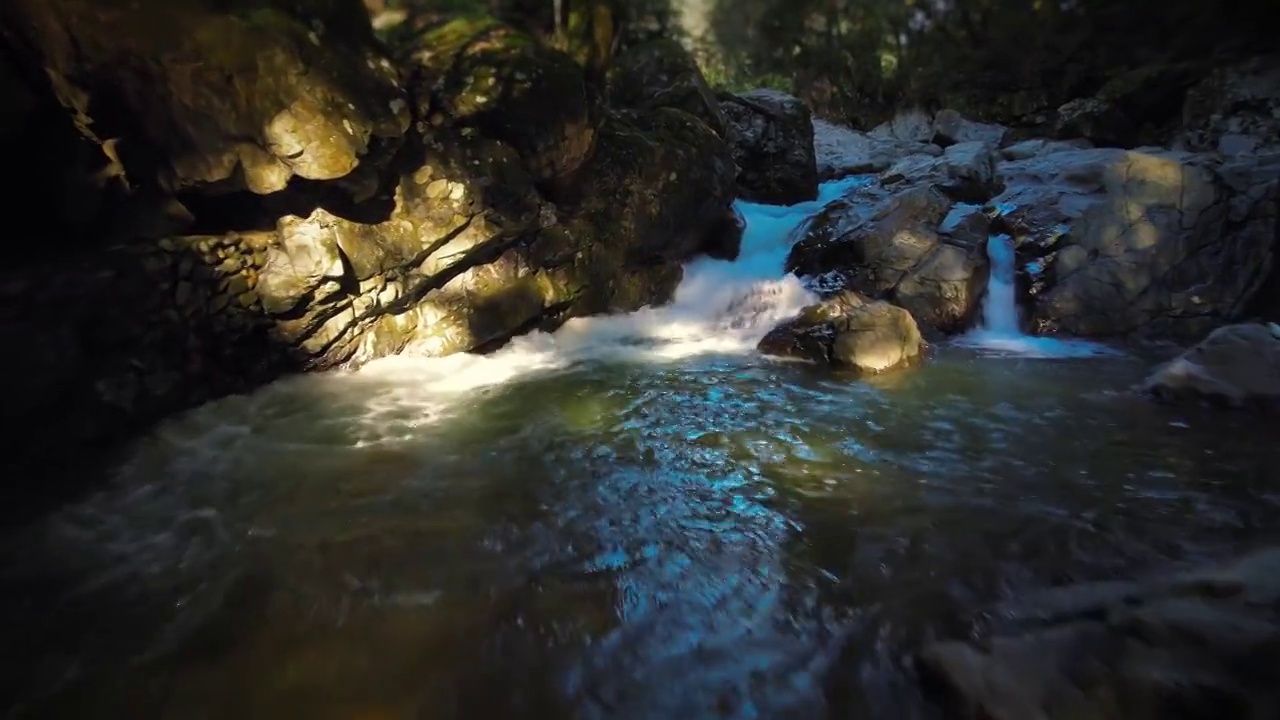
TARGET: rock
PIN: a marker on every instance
(1235, 110)
(450, 245)
(1238, 365)
(1095, 119)
(952, 128)
(772, 138)
(662, 73)
(849, 331)
(474, 72)
(893, 248)
(1148, 242)
(1039, 147)
(966, 172)
(842, 151)
(194, 96)
(1198, 644)
(1132, 108)
(914, 126)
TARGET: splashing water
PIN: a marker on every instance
(1000, 331)
(722, 307)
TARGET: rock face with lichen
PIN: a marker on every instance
(328, 204)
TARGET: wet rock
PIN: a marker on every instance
(894, 248)
(952, 128)
(842, 151)
(192, 96)
(849, 331)
(966, 172)
(1186, 644)
(662, 73)
(772, 138)
(1237, 365)
(1148, 242)
(477, 73)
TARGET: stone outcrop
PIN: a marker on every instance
(772, 138)
(1237, 366)
(1201, 643)
(662, 73)
(514, 200)
(851, 332)
(899, 247)
(1140, 242)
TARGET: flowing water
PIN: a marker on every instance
(636, 517)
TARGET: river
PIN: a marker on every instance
(635, 517)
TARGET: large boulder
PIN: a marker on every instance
(965, 171)
(1201, 643)
(1141, 242)
(187, 95)
(474, 72)
(662, 73)
(451, 245)
(900, 248)
(772, 138)
(849, 331)
(1237, 365)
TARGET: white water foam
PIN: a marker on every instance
(719, 307)
(1000, 331)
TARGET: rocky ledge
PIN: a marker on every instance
(261, 188)
(1186, 644)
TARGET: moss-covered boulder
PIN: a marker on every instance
(193, 93)
(662, 73)
(772, 138)
(474, 72)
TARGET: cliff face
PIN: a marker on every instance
(262, 188)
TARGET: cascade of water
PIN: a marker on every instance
(1000, 330)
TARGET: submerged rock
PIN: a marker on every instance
(772, 138)
(894, 248)
(849, 331)
(1237, 365)
(1191, 644)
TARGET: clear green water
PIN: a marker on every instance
(718, 536)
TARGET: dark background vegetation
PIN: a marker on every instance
(1006, 60)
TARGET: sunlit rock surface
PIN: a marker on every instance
(190, 94)
(772, 138)
(1201, 643)
(898, 248)
(849, 331)
(469, 192)
(1237, 365)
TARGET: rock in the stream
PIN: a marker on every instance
(897, 248)
(849, 331)
(843, 151)
(1238, 365)
(772, 138)
(952, 128)
(966, 172)
(1147, 242)
(1191, 644)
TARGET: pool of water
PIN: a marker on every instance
(637, 517)
(724, 536)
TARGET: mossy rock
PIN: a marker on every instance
(474, 72)
(662, 73)
(198, 93)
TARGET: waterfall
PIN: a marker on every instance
(1000, 330)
